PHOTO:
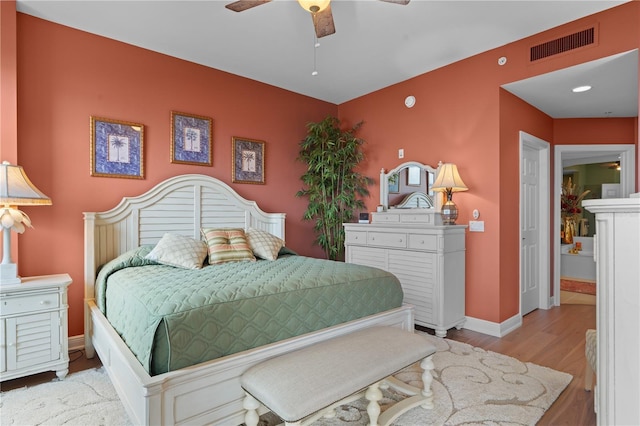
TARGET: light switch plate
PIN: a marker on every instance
(476, 226)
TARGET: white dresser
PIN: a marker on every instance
(429, 261)
(617, 252)
(33, 327)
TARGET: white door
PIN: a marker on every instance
(529, 231)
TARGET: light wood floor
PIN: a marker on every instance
(576, 298)
(553, 338)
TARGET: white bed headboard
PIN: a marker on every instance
(180, 205)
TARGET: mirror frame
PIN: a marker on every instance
(384, 182)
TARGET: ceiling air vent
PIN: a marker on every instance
(563, 44)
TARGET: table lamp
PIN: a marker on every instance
(15, 190)
(448, 180)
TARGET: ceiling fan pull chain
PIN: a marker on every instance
(316, 44)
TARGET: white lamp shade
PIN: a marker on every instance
(314, 6)
(17, 190)
(448, 179)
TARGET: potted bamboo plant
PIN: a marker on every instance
(331, 182)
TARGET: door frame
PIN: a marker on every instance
(627, 153)
(544, 168)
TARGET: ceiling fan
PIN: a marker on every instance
(320, 12)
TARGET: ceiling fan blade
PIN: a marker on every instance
(402, 2)
(323, 22)
(240, 5)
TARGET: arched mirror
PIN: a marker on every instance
(408, 186)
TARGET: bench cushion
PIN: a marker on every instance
(300, 383)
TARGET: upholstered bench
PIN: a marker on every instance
(303, 385)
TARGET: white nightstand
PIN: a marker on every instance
(33, 327)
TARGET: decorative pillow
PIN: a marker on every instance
(264, 244)
(227, 245)
(180, 251)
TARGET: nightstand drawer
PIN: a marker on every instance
(423, 242)
(387, 239)
(29, 303)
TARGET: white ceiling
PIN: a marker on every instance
(614, 92)
(376, 44)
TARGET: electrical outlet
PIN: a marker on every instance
(401, 153)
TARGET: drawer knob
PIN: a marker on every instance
(44, 302)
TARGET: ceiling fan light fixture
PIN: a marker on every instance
(314, 6)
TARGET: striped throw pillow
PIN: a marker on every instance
(227, 245)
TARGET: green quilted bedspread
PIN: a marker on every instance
(172, 317)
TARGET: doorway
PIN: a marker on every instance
(566, 155)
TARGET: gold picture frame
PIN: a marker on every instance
(247, 161)
(191, 139)
(117, 148)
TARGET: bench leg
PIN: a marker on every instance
(250, 404)
(373, 395)
(427, 379)
(588, 377)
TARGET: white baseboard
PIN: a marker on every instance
(493, 328)
(76, 343)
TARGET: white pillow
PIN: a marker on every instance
(180, 251)
(264, 244)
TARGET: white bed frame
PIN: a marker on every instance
(207, 393)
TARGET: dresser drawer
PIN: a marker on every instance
(423, 242)
(356, 237)
(29, 303)
(387, 239)
(385, 218)
(417, 218)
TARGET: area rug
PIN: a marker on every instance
(471, 386)
(577, 286)
(82, 399)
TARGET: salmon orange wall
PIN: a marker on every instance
(65, 76)
(8, 92)
(515, 116)
(590, 131)
(462, 116)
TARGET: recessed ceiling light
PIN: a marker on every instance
(580, 89)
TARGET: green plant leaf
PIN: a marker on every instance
(332, 184)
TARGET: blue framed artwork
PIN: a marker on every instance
(247, 163)
(117, 148)
(191, 139)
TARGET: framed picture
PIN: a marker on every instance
(394, 183)
(117, 148)
(191, 139)
(247, 161)
(414, 176)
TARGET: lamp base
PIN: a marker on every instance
(9, 274)
(449, 213)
